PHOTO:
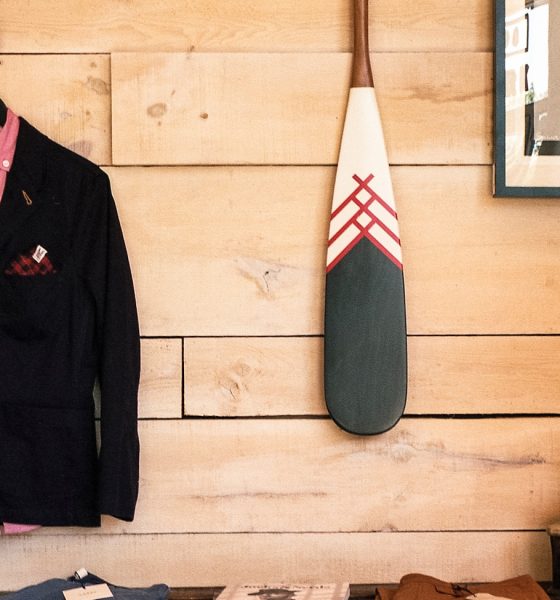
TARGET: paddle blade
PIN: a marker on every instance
(365, 324)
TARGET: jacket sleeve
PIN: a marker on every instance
(106, 272)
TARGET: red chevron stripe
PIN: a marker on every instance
(342, 254)
(352, 221)
(384, 250)
(384, 204)
(362, 185)
(364, 208)
(377, 220)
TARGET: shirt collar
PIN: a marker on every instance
(8, 139)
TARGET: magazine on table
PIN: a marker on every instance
(284, 591)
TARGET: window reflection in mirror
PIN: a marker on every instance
(532, 60)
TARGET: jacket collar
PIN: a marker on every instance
(29, 158)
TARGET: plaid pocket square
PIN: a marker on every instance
(33, 262)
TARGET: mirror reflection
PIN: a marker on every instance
(532, 65)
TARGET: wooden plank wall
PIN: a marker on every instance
(219, 124)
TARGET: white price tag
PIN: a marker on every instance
(39, 254)
(90, 592)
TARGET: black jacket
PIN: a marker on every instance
(63, 322)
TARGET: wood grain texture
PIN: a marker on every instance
(161, 380)
(251, 260)
(239, 251)
(297, 475)
(233, 377)
(229, 377)
(241, 25)
(67, 97)
(190, 108)
(203, 267)
(214, 559)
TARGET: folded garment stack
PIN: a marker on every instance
(54, 589)
(423, 587)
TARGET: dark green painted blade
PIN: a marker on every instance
(365, 341)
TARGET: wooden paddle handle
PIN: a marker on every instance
(361, 68)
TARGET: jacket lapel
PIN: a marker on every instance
(25, 182)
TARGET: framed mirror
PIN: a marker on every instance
(527, 98)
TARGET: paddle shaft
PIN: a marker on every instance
(361, 67)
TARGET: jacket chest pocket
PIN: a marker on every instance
(32, 282)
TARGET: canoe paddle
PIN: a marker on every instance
(365, 323)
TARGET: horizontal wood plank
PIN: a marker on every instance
(160, 394)
(242, 25)
(205, 256)
(190, 108)
(240, 251)
(233, 377)
(160, 391)
(229, 377)
(214, 559)
(222, 251)
(67, 97)
(298, 475)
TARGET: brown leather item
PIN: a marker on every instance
(424, 587)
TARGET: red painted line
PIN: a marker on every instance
(362, 182)
(377, 220)
(352, 221)
(342, 254)
(384, 204)
(364, 208)
(353, 197)
(384, 250)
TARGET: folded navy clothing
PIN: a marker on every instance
(53, 589)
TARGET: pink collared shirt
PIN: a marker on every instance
(13, 528)
(8, 140)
